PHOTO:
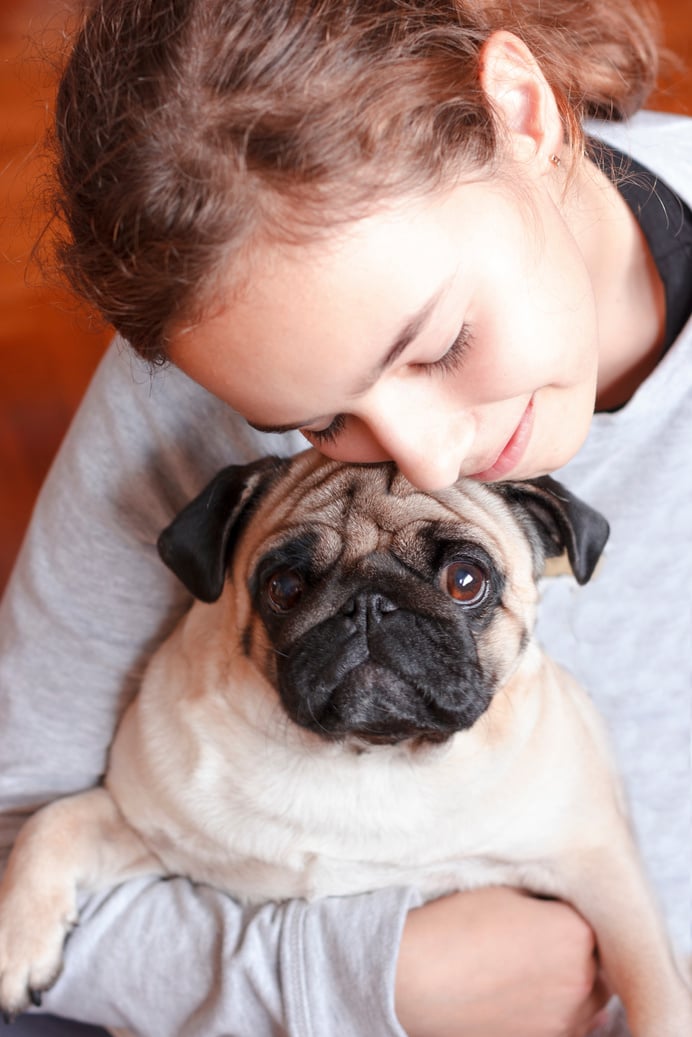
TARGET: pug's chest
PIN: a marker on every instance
(256, 858)
(263, 828)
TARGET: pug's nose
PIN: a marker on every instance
(367, 607)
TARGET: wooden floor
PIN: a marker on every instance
(48, 348)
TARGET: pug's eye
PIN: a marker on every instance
(284, 589)
(465, 582)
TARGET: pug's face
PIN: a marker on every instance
(376, 611)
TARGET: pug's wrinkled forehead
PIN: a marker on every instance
(333, 511)
(338, 512)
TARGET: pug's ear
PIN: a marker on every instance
(198, 543)
(561, 520)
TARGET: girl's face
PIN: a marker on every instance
(454, 334)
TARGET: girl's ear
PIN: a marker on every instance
(522, 98)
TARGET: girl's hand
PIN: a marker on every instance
(497, 962)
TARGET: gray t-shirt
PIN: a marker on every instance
(89, 600)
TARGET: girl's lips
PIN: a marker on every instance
(513, 450)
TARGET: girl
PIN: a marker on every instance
(382, 226)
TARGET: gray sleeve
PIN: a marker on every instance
(170, 959)
(86, 605)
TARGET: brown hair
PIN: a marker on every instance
(186, 128)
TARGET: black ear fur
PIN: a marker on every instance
(198, 543)
(562, 521)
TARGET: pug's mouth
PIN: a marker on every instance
(358, 693)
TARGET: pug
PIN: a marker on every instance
(356, 700)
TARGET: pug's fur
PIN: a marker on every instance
(357, 701)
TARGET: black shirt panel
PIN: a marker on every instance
(666, 222)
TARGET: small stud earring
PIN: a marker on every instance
(555, 159)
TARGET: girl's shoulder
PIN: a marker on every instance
(661, 141)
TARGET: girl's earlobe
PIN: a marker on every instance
(521, 96)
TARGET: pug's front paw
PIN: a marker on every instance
(33, 928)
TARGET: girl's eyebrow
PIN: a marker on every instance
(410, 331)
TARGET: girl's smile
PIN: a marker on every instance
(513, 451)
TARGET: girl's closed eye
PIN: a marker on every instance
(452, 358)
(322, 436)
(449, 362)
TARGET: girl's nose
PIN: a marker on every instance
(429, 446)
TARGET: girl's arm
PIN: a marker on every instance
(494, 962)
(170, 959)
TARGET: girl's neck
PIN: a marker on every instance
(630, 297)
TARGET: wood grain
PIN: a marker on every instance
(48, 346)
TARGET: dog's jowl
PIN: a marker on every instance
(355, 700)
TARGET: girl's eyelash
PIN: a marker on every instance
(328, 434)
(446, 364)
(453, 358)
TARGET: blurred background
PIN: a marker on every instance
(49, 346)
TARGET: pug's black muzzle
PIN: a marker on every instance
(384, 673)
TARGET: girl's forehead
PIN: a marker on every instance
(382, 277)
(314, 324)
(389, 266)
(407, 239)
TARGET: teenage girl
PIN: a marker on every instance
(385, 226)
